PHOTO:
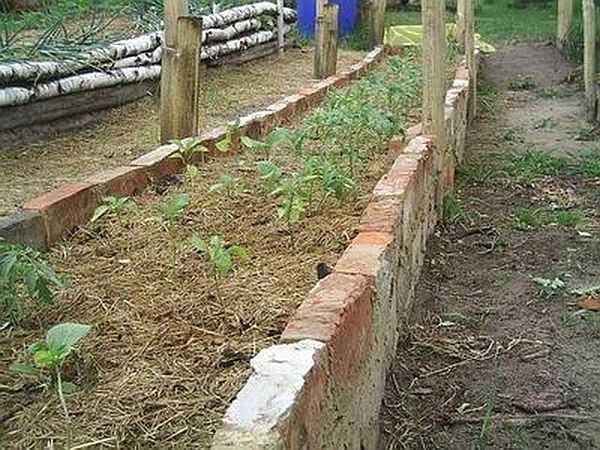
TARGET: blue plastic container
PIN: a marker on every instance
(348, 15)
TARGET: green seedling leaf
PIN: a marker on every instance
(224, 145)
(174, 207)
(25, 369)
(69, 388)
(66, 335)
(112, 206)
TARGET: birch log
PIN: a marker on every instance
(78, 83)
(35, 70)
(232, 15)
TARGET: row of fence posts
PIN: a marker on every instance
(565, 22)
(180, 76)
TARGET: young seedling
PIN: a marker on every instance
(294, 193)
(187, 148)
(336, 182)
(48, 357)
(220, 256)
(112, 206)
(24, 270)
(274, 138)
(173, 208)
(229, 143)
(228, 185)
(270, 174)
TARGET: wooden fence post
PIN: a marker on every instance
(461, 25)
(326, 41)
(434, 87)
(280, 26)
(469, 43)
(565, 17)
(376, 22)
(589, 58)
(179, 82)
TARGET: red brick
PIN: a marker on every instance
(257, 124)
(396, 145)
(313, 95)
(338, 312)
(349, 74)
(159, 162)
(120, 181)
(382, 214)
(359, 69)
(64, 208)
(364, 254)
(284, 111)
(298, 102)
(338, 81)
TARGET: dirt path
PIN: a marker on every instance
(493, 358)
(122, 134)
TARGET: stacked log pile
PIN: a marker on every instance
(229, 32)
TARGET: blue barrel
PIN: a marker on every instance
(348, 15)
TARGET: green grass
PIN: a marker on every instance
(532, 219)
(499, 23)
(455, 212)
(589, 164)
(532, 165)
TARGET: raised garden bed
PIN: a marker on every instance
(170, 345)
(117, 136)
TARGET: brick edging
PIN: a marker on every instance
(44, 219)
(322, 385)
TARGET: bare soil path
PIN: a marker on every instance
(499, 353)
(122, 134)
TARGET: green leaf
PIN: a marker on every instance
(66, 335)
(224, 145)
(199, 245)
(174, 207)
(251, 143)
(277, 136)
(239, 251)
(47, 359)
(26, 369)
(68, 387)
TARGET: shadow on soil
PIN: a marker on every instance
(501, 354)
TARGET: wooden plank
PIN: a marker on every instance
(589, 58)
(74, 104)
(565, 18)
(325, 59)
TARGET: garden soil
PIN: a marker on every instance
(492, 358)
(122, 134)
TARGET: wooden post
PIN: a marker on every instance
(434, 68)
(589, 58)
(326, 41)
(180, 73)
(376, 22)
(565, 17)
(461, 25)
(434, 87)
(469, 43)
(280, 26)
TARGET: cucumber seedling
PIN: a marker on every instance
(220, 256)
(270, 174)
(24, 270)
(48, 357)
(187, 148)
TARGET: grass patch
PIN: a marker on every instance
(589, 164)
(471, 173)
(531, 219)
(455, 212)
(487, 97)
(531, 165)
(522, 84)
(500, 23)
